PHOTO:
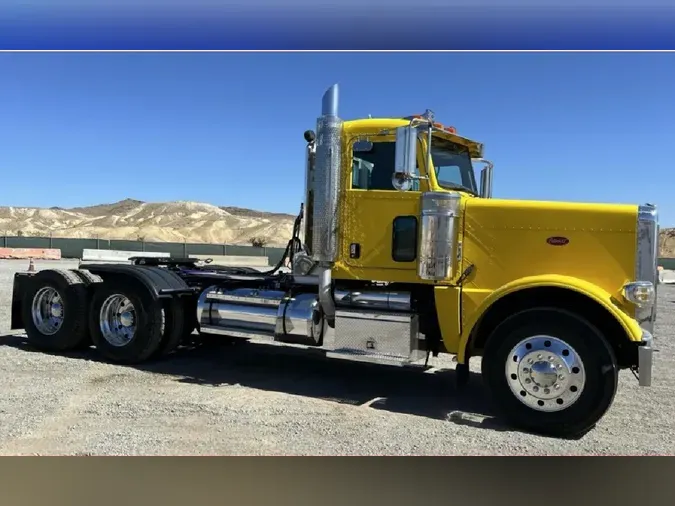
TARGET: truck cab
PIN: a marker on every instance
(512, 281)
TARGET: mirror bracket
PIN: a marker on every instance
(485, 177)
(404, 182)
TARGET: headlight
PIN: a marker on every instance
(640, 293)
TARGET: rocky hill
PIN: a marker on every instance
(667, 243)
(134, 219)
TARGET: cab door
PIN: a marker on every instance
(379, 223)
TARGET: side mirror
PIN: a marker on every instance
(405, 163)
(485, 178)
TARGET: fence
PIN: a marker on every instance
(72, 248)
(667, 263)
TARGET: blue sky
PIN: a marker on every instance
(80, 129)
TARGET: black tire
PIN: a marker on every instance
(90, 281)
(87, 277)
(599, 368)
(174, 327)
(148, 322)
(73, 293)
(190, 312)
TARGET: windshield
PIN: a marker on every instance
(452, 165)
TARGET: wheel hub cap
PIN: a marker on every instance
(545, 373)
(127, 319)
(47, 311)
(57, 310)
(117, 320)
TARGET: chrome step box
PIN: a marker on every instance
(378, 337)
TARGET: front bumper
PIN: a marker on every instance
(645, 359)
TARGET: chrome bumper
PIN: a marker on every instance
(645, 359)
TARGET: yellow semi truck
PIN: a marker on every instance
(398, 254)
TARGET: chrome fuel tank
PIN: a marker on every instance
(254, 313)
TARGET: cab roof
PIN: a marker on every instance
(368, 125)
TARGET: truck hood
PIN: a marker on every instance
(507, 240)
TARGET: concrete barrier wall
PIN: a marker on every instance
(667, 277)
(26, 253)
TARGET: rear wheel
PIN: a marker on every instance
(54, 311)
(550, 371)
(125, 321)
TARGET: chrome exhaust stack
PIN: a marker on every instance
(326, 192)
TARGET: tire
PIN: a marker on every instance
(140, 323)
(174, 327)
(190, 312)
(585, 390)
(87, 277)
(90, 280)
(66, 294)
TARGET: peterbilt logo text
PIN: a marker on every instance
(558, 241)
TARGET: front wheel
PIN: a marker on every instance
(550, 371)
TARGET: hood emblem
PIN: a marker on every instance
(558, 241)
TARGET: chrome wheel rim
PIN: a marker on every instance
(118, 320)
(47, 311)
(545, 373)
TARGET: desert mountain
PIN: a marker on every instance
(162, 222)
(667, 243)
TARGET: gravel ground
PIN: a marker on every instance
(250, 398)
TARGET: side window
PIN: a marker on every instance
(449, 174)
(449, 167)
(372, 169)
(404, 239)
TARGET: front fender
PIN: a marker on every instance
(591, 290)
